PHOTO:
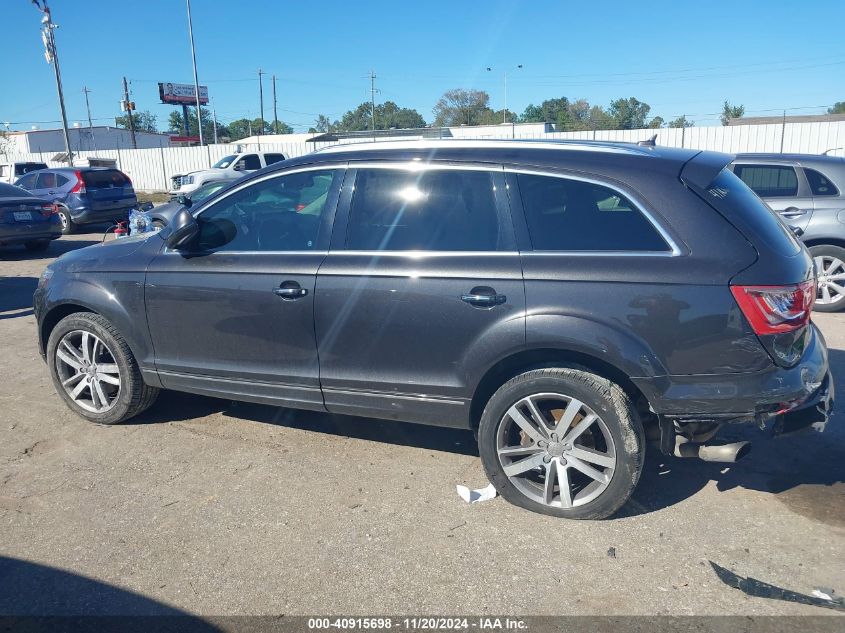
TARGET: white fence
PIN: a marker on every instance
(151, 169)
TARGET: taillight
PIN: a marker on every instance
(49, 209)
(79, 187)
(776, 309)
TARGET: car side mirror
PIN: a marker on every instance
(796, 230)
(184, 229)
(184, 200)
(238, 167)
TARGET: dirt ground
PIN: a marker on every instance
(212, 507)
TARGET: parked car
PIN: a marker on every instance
(10, 172)
(808, 192)
(89, 195)
(163, 214)
(27, 220)
(229, 167)
(564, 300)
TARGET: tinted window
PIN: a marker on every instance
(737, 202)
(27, 182)
(104, 179)
(10, 191)
(249, 162)
(446, 210)
(46, 181)
(279, 214)
(571, 215)
(820, 185)
(273, 158)
(61, 181)
(769, 181)
(25, 168)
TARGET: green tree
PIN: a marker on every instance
(323, 124)
(243, 128)
(630, 113)
(144, 121)
(550, 111)
(731, 112)
(461, 107)
(388, 116)
(280, 127)
(656, 122)
(175, 125)
(838, 108)
(681, 121)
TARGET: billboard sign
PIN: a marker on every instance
(181, 94)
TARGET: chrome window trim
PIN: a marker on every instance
(674, 249)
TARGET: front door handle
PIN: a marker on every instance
(483, 297)
(793, 212)
(290, 290)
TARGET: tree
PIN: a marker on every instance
(243, 128)
(838, 108)
(175, 125)
(323, 124)
(144, 121)
(550, 111)
(388, 116)
(280, 127)
(731, 112)
(630, 113)
(656, 122)
(681, 121)
(461, 107)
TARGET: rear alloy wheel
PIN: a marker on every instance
(68, 225)
(830, 268)
(94, 371)
(562, 442)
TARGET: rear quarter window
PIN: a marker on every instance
(572, 215)
(735, 200)
(820, 184)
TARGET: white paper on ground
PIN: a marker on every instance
(823, 594)
(474, 496)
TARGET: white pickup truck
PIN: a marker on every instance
(229, 167)
(10, 172)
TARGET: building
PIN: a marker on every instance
(97, 138)
(790, 118)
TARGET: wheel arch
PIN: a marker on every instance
(546, 357)
(825, 241)
(56, 314)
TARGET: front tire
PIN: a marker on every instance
(94, 371)
(562, 442)
(830, 268)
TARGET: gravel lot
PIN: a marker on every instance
(214, 508)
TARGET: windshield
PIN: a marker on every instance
(10, 191)
(224, 162)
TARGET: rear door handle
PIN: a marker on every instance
(483, 297)
(793, 212)
(290, 290)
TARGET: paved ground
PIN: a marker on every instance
(221, 508)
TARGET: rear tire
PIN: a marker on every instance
(94, 371)
(590, 442)
(68, 225)
(830, 268)
(37, 245)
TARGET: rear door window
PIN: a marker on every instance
(573, 215)
(250, 162)
(104, 179)
(438, 210)
(273, 158)
(46, 181)
(820, 184)
(769, 181)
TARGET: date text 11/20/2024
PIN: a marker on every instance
(418, 623)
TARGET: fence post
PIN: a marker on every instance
(782, 131)
(163, 168)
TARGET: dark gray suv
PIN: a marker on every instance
(808, 192)
(566, 301)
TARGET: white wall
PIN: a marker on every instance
(82, 139)
(151, 169)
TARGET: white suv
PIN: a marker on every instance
(229, 167)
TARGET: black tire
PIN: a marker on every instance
(828, 251)
(607, 400)
(37, 245)
(134, 395)
(68, 225)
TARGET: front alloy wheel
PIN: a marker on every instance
(88, 371)
(831, 282)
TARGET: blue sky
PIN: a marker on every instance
(680, 57)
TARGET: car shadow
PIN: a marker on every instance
(57, 247)
(35, 597)
(804, 471)
(16, 296)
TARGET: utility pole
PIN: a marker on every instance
(261, 102)
(275, 114)
(373, 101)
(214, 120)
(48, 36)
(90, 122)
(129, 107)
(196, 78)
